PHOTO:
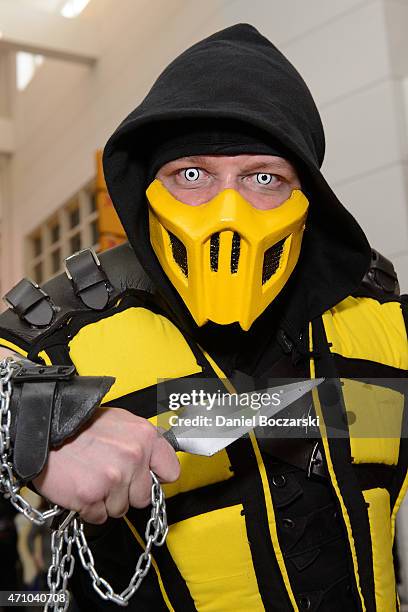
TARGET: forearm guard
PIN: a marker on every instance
(48, 405)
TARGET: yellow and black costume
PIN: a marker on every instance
(303, 525)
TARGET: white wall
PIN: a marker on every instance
(68, 111)
(354, 56)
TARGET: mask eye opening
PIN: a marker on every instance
(272, 260)
(179, 252)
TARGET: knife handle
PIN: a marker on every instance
(171, 439)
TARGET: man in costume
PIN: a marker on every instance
(247, 265)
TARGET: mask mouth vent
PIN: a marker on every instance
(235, 252)
(272, 259)
(215, 252)
(179, 253)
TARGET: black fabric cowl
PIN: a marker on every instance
(236, 82)
(208, 137)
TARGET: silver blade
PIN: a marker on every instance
(216, 429)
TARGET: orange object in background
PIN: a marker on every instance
(111, 232)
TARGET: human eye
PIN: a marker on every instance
(267, 179)
(191, 175)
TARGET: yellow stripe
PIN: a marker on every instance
(44, 356)
(378, 502)
(12, 347)
(154, 564)
(267, 493)
(218, 371)
(333, 475)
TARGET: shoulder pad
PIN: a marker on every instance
(380, 279)
(91, 282)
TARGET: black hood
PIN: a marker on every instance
(238, 75)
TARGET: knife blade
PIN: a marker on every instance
(227, 424)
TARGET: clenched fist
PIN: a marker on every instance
(105, 468)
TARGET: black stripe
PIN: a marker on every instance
(377, 295)
(363, 368)
(173, 582)
(154, 400)
(200, 501)
(269, 578)
(133, 298)
(400, 471)
(116, 552)
(346, 477)
(372, 475)
(7, 335)
(247, 477)
(404, 309)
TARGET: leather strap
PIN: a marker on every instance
(33, 428)
(88, 279)
(381, 275)
(48, 405)
(30, 303)
(33, 372)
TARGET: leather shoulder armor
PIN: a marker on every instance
(90, 283)
(380, 280)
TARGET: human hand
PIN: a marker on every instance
(104, 469)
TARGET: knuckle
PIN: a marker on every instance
(113, 475)
(120, 512)
(136, 452)
(86, 495)
(175, 473)
(140, 493)
(142, 501)
(91, 490)
(144, 429)
(96, 518)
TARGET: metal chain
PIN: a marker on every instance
(71, 530)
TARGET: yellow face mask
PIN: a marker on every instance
(227, 259)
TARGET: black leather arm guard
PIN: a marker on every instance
(48, 405)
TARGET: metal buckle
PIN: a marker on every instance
(27, 299)
(34, 284)
(88, 250)
(312, 460)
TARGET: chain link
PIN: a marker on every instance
(71, 530)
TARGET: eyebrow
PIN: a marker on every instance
(194, 159)
(265, 165)
(280, 164)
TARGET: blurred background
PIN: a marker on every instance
(71, 70)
